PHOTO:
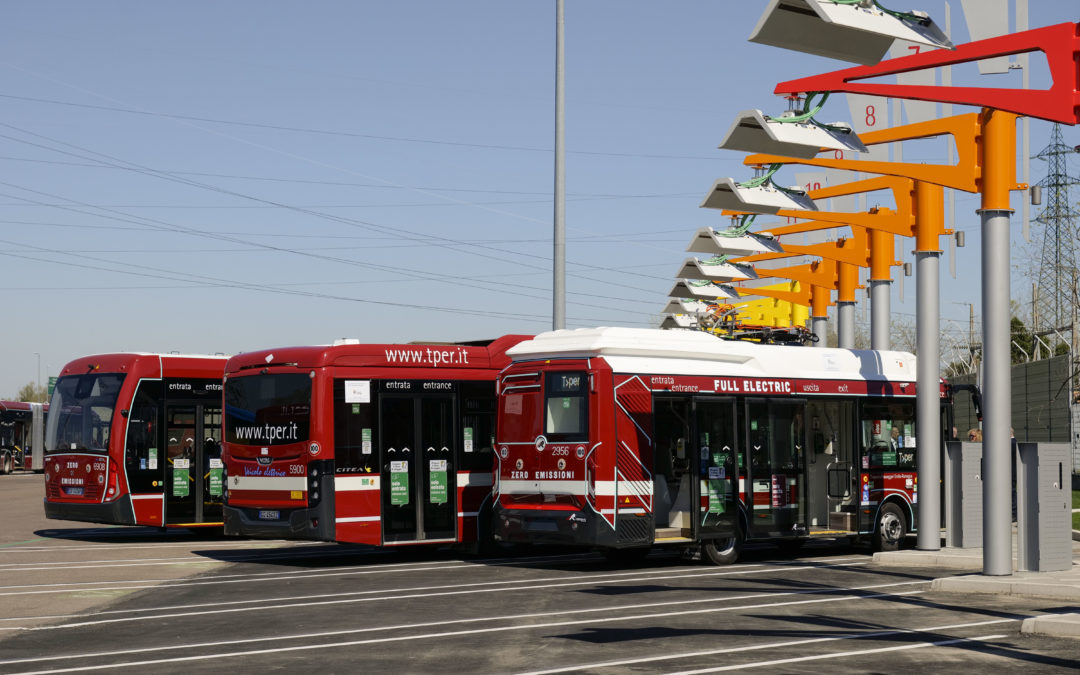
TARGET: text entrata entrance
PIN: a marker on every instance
(418, 470)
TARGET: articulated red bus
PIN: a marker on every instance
(22, 435)
(385, 444)
(622, 439)
(135, 439)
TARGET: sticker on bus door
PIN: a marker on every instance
(216, 471)
(181, 475)
(437, 481)
(399, 483)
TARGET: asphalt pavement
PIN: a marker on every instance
(78, 597)
(1060, 585)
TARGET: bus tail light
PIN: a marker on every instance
(112, 492)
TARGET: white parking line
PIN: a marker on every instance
(308, 637)
(130, 584)
(240, 543)
(252, 555)
(404, 594)
(862, 652)
(769, 645)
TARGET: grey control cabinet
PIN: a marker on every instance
(1043, 507)
(963, 495)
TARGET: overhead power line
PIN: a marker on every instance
(346, 134)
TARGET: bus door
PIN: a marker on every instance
(831, 471)
(672, 471)
(775, 444)
(193, 466)
(714, 465)
(419, 490)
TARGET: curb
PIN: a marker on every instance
(952, 560)
(1015, 585)
(1057, 625)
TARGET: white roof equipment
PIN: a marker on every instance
(859, 31)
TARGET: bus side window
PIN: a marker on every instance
(354, 434)
(142, 455)
(477, 426)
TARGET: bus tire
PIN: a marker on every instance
(5, 463)
(723, 551)
(890, 529)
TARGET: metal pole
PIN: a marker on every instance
(929, 221)
(558, 284)
(879, 314)
(821, 330)
(999, 174)
(847, 281)
(927, 398)
(819, 315)
(845, 325)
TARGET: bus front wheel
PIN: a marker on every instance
(723, 551)
(6, 465)
(890, 528)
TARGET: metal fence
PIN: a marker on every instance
(1043, 404)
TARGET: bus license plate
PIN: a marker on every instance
(269, 515)
(74, 491)
(543, 526)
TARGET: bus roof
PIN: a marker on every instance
(15, 405)
(685, 352)
(166, 365)
(470, 355)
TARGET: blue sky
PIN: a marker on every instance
(221, 177)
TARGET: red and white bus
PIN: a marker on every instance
(621, 439)
(135, 439)
(22, 435)
(381, 444)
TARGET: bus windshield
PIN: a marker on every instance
(268, 409)
(81, 412)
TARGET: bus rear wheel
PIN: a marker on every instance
(890, 529)
(723, 551)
